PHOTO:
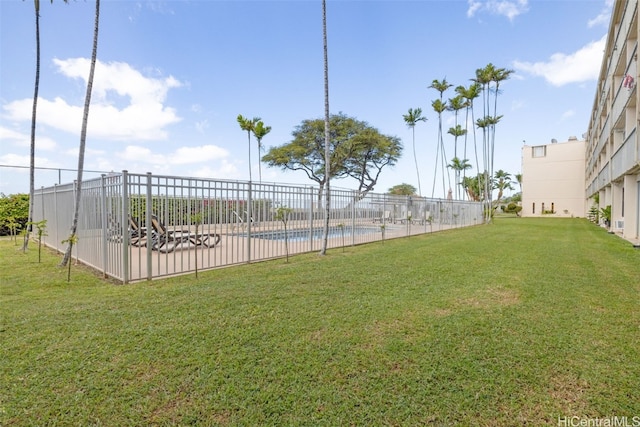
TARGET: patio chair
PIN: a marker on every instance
(165, 240)
(386, 217)
(242, 219)
(137, 234)
(425, 218)
(407, 219)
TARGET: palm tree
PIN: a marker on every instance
(469, 94)
(502, 181)
(411, 119)
(459, 165)
(327, 135)
(475, 187)
(456, 104)
(32, 153)
(497, 76)
(83, 139)
(457, 131)
(485, 77)
(519, 180)
(248, 125)
(260, 131)
(471, 187)
(439, 106)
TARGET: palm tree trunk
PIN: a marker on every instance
(249, 140)
(435, 166)
(415, 159)
(259, 165)
(83, 136)
(327, 137)
(32, 153)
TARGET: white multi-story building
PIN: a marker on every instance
(553, 179)
(609, 156)
(612, 168)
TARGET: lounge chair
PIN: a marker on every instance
(242, 218)
(407, 219)
(386, 217)
(137, 234)
(425, 218)
(165, 240)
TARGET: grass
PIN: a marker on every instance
(519, 322)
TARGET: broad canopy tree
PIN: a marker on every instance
(403, 189)
(357, 150)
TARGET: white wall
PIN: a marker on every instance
(557, 179)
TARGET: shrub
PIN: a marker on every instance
(594, 214)
(513, 208)
(605, 215)
(13, 208)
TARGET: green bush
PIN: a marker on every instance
(13, 208)
(594, 214)
(513, 208)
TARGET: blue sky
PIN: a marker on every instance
(174, 75)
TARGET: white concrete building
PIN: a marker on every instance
(612, 166)
(553, 179)
(607, 163)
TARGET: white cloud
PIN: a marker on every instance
(518, 104)
(508, 8)
(567, 114)
(142, 154)
(561, 69)
(125, 104)
(181, 156)
(603, 17)
(201, 126)
(203, 153)
(18, 139)
(20, 160)
(224, 170)
(88, 152)
(8, 134)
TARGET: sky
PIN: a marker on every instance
(173, 76)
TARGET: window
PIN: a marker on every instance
(539, 151)
(534, 208)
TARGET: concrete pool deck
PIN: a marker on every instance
(234, 248)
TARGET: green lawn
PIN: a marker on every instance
(519, 322)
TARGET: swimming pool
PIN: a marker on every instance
(299, 235)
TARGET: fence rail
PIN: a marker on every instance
(142, 226)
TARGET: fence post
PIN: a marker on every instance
(55, 216)
(149, 226)
(73, 194)
(42, 201)
(410, 208)
(105, 220)
(249, 220)
(124, 219)
(311, 214)
(353, 217)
